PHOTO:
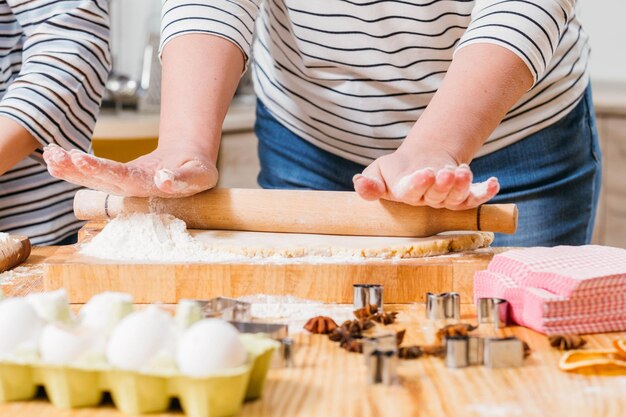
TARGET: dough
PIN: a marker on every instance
(163, 238)
(258, 244)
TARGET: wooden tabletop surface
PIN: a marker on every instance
(328, 381)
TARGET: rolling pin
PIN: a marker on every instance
(14, 252)
(299, 211)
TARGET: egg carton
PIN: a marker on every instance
(218, 395)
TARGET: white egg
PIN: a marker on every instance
(51, 306)
(64, 345)
(103, 311)
(208, 346)
(139, 337)
(19, 324)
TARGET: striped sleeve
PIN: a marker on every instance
(232, 20)
(65, 63)
(529, 28)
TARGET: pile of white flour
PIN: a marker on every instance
(149, 237)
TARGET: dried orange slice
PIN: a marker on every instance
(600, 361)
(620, 346)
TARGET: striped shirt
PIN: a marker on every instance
(54, 60)
(353, 76)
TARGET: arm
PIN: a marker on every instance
(56, 96)
(493, 67)
(205, 47)
(15, 144)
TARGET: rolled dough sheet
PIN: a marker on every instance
(259, 244)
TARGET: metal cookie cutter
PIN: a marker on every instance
(444, 306)
(287, 352)
(366, 294)
(227, 308)
(507, 352)
(381, 357)
(493, 311)
(463, 351)
(278, 332)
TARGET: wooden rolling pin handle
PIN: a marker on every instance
(500, 218)
(297, 211)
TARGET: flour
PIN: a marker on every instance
(480, 190)
(166, 175)
(149, 237)
(293, 311)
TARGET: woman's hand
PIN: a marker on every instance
(164, 172)
(426, 177)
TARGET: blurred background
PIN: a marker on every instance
(128, 126)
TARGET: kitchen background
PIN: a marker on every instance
(123, 133)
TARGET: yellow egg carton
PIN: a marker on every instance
(218, 395)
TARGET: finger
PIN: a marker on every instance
(114, 177)
(93, 173)
(437, 193)
(60, 164)
(411, 188)
(370, 185)
(461, 188)
(482, 192)
(191, 178)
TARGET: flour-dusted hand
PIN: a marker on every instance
(432, 178)
(162, 173)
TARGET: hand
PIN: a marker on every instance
(432, 178)
(162, 173)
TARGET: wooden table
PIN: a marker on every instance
(328, 381)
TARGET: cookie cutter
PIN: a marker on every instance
(273, 330)
(228, 309)
(287, 352)
(367, 294)
(443, 306)
(506, 352)
(464, 351)
(493, 311)
(371, 343)
(278, 332)
(381, 359)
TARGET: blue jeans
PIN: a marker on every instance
(553, 175)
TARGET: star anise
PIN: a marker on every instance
(352, 345)
(400, 336)
(356, 327)
(410, 352)
(454, 330)
(527, 349)
(339, 335)
(385, 318)
(366, 312)
(320, 325)
(566, 341)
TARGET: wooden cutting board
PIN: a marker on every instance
(405, 280)
(14, 253)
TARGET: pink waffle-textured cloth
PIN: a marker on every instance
(553, 306)
(549, 313)
(568, 271)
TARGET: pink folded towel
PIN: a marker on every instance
(565, 289)
(569, 271)
(549, 313)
